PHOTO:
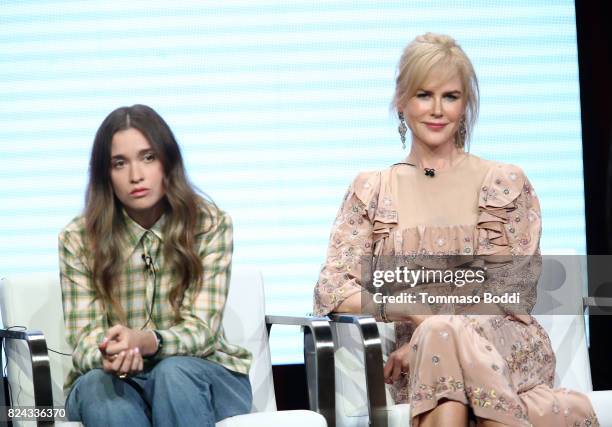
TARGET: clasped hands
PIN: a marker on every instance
(123, 349)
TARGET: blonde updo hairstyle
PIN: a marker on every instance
(431, 53)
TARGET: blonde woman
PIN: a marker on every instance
(443, 207)
(144, 274)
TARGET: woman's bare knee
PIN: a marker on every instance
(483, 422)
(448, 413)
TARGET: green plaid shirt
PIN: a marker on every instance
(199, 333)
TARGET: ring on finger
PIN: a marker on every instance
(122, 375)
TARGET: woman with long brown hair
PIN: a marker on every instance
(144, 274)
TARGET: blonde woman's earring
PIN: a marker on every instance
(462, 134)
(402, 128)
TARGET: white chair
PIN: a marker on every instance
(362, 399)
(33, 301)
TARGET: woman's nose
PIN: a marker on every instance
(437, 107)
(136, 173)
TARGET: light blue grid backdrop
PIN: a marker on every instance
(277, 105)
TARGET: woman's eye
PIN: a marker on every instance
(118, 164)
(452, 97)
(149, 157)
(422, 95)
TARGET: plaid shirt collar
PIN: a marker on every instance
(136, 232)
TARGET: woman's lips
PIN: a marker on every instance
(435, 126)
(140, 192)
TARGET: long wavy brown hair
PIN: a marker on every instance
(104, 216)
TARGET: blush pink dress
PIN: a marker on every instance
(501, 366)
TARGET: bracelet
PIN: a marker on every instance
(382, 312)
(160, 343)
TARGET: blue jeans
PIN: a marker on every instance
(177, 391)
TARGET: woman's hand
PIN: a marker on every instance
(121, 338)
(524, 318)
(123, 364)
(121, 350)
(397, 364)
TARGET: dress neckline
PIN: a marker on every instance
(406, 162)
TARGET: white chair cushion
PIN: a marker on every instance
(282, 418)
(398, 414)
(34, 300)
(246, 301)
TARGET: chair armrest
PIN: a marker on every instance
(41, 372)
(373, 364)
(318, 359)
(594, 302)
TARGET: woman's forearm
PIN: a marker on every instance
(395, 312)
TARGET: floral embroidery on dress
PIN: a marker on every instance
(388, 214)
(442, 386)
(590, 421)
(481, 397)
(497, 322)
(477, 396)
(525, 356)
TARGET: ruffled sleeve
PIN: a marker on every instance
(352, 237)
(509, 228)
